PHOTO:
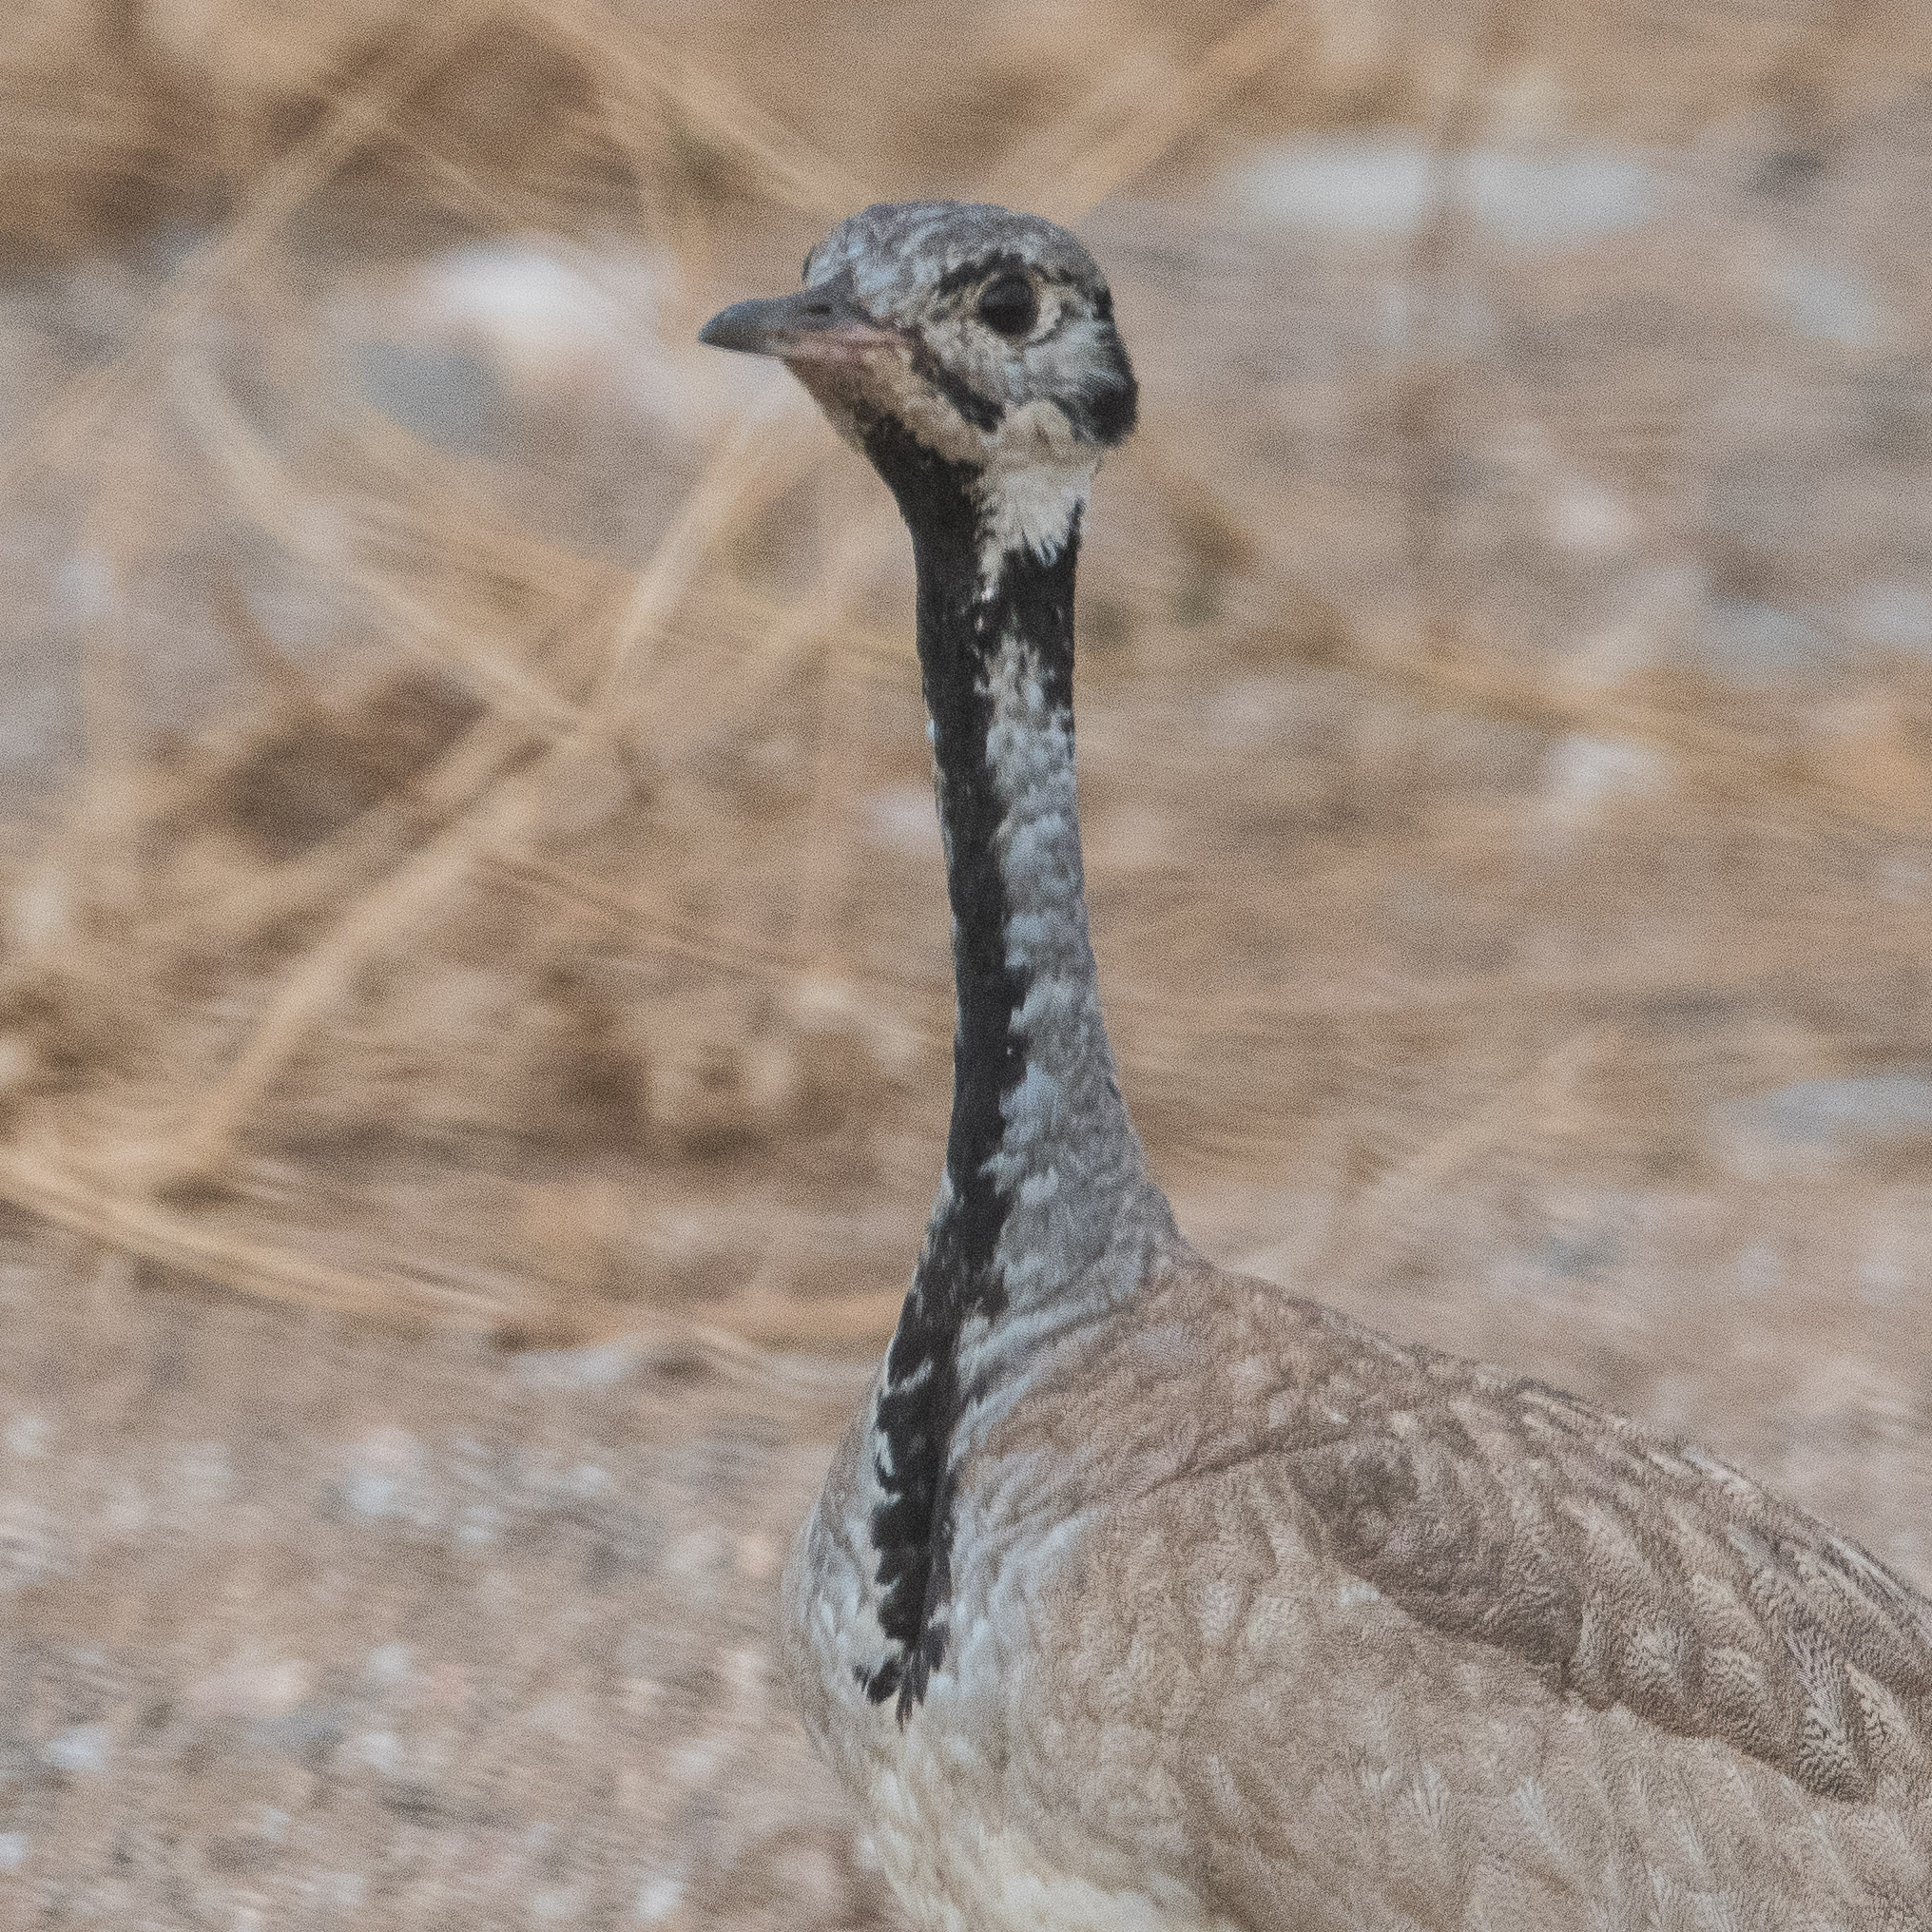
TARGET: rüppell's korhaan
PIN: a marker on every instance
(1146, 1595)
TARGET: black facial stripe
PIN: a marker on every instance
(981, 412)
(960, 634)
(1104, 411)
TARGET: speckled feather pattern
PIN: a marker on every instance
(1405, 1642)
(1068, 1162)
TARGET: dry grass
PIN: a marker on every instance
(548, 664)
(467, 870)
(538, 888)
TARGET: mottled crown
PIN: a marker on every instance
(899, 249)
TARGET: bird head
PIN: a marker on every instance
(986, 337)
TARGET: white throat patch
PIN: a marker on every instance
(1033, 506)
(1036, 477)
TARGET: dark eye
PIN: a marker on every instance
(1009, 304)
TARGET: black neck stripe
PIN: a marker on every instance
(959, 635)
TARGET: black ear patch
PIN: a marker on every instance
(1107, 405)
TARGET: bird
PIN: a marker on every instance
(1146, 1594)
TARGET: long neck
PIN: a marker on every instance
(1040, 1154)
(1044, 1173)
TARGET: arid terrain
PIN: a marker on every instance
(474, 1012)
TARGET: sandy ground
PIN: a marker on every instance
(311, 1626)
(473, 1057)
(305, 1627)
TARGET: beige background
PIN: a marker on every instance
(473, 1001)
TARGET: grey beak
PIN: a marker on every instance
(813, 323)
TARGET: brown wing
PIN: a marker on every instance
(1628, 1569)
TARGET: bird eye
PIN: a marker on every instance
(1009, 304)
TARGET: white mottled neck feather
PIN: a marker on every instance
(1069, 1159)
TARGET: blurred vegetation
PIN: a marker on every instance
(467, 858)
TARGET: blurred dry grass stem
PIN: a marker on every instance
(1137, 114)
(635, 69)
(1364, 1223)
(63, 430)
(506, 812)
(388, 873)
